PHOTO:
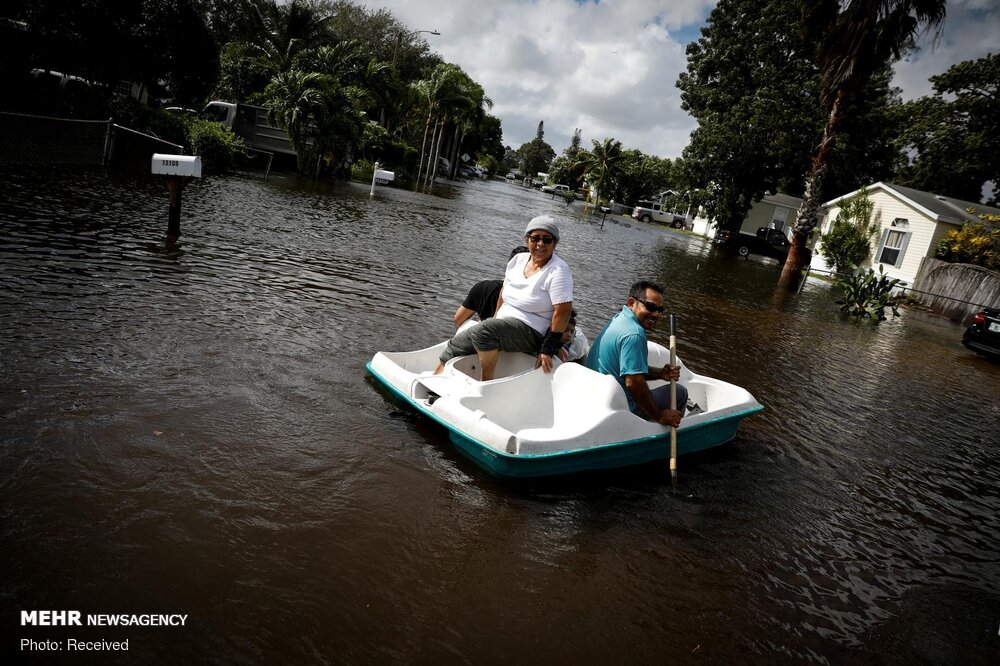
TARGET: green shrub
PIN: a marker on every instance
(135, 115)
(363, 170)
(867, 295)
(849, 242)
(219, 148)
(975, 243)
(569, 196)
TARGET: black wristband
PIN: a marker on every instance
(552, 343)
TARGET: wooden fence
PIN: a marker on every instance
(956, 291)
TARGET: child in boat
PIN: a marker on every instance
(575, 344)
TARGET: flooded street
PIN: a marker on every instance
(189, 428)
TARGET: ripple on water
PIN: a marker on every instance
(194, 420)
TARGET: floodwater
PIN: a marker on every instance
(189, 429)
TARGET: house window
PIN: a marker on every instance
(893, 247)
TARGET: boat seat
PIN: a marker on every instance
(589, 408)
(576, 388)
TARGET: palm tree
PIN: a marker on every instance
(295, 99)
(437, 88)
(461, 100)
(858, 41)
(602, 163)
(282, 32)
(468, 119)
(347, 63)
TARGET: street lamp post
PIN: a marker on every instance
(399, 40)
(395, 56)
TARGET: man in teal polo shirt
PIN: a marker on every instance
(620, 351)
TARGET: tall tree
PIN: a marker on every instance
(149, 42)
(953, 136)
(296, 101)
(280, 32)
(643, 176)
(857, 40)
(466, 119)
(535, 156)
(567, 167)
(602, 163)
(485, 138)
(751, 85)
(438, 91)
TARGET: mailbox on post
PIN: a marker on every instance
(381, 177)
(177, 165)
(179, 170)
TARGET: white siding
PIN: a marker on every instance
(758, 216)
(923, 234)
(921, 229)
(762, 213)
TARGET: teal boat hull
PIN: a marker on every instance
(704, 435)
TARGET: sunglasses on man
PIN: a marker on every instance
(652, 307)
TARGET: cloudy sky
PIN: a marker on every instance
(609, 66)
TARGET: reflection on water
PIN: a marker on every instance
(189, 428)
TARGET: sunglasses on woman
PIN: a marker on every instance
(544, 240)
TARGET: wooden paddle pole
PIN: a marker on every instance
(673, 404)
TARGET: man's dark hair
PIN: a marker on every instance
(516, 251)
(638, 290)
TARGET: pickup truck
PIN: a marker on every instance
(767, 242)
(647, 211)
(555, 189)
(250, 124)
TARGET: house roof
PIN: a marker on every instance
(783, 200)
(935, 206)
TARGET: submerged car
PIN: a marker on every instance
(766, 242)
(983, 334)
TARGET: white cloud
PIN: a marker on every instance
(609, 67)
(971, 30)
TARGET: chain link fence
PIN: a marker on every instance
(134, 150)
(27, 139)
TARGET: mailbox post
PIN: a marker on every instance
(179, 170)
(381, 177)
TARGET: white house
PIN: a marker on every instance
(913, 222)
(773, 211)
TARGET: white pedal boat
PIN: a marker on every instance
(528, 423)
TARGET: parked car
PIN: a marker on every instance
(537, 182)
(767, 242)
(511, 176)
(983, 334)
(555, 189)
(467, 171)
(648, 211)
